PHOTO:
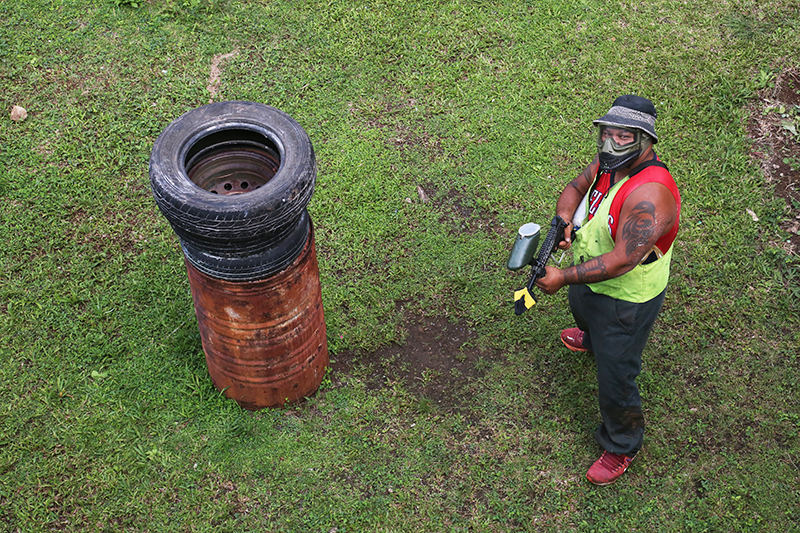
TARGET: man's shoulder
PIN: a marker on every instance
(652, 171)
(653, 183)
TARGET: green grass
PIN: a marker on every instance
(108, 420)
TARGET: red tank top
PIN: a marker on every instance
(654, 173)
(602, 184)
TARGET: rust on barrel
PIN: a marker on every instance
(265, 341)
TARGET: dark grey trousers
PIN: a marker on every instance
(616, 332)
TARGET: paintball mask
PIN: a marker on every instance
(613, 155)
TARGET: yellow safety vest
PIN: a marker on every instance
(643, 283)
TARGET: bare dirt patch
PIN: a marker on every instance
(436, 362)
(775, 130)
(462, 215)
(215, 72)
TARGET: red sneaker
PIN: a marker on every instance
(609, 468)
(573, 339)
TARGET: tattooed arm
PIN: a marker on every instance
(648, 213)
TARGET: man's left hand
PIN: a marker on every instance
(552, 281)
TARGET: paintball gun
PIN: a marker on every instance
(522, 255)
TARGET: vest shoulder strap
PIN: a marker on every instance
(649, 163)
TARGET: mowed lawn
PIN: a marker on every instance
(439, 128)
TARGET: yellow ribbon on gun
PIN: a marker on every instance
(524, 295)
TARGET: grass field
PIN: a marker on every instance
(442, 411)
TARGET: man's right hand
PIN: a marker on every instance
(567, 242)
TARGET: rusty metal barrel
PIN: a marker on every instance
(233, 179)
(265, 341)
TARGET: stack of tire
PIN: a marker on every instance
(234, 179)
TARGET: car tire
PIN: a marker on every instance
(233, 179)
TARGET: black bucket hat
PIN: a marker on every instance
(631, 111)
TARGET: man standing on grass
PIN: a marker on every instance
(627, 207)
